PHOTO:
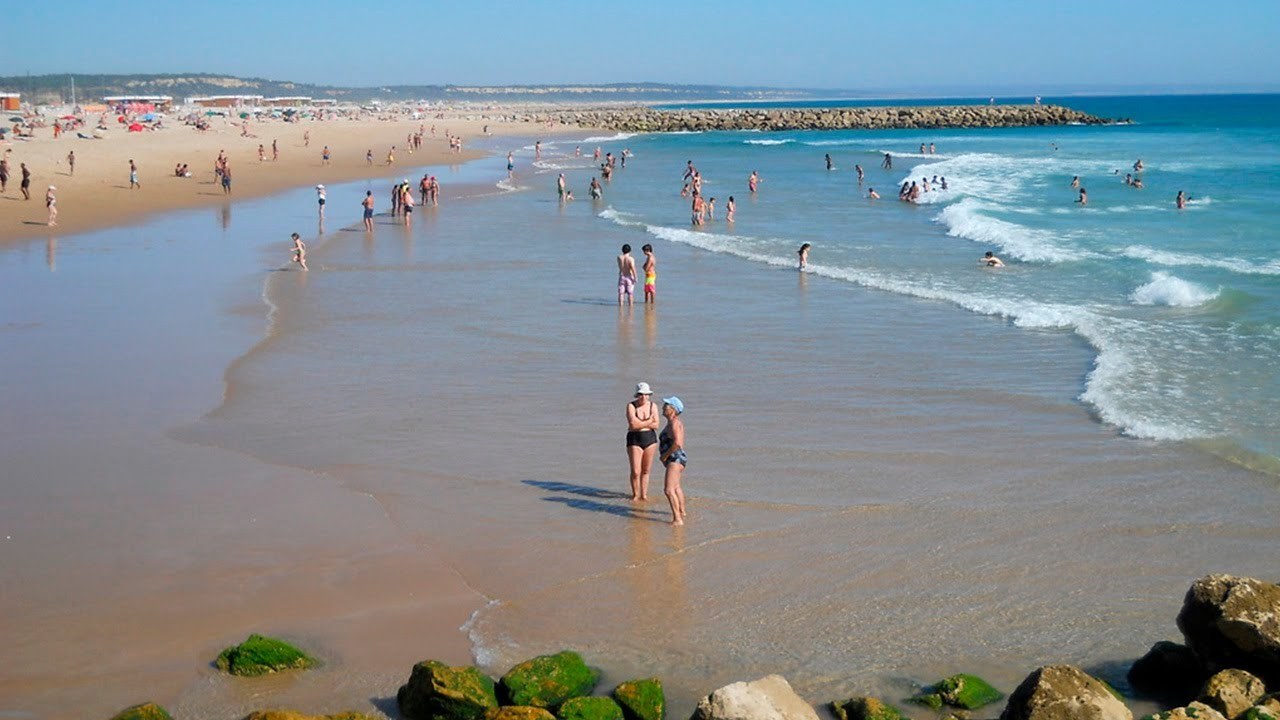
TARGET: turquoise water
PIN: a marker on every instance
(1182, 308)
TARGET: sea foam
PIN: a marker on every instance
(1166, 289)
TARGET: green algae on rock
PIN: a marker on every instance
(548, 680)
(518, 712)
(260, 655)
(963, 691)
(642, 699)
(295, 715)
(144, 711)
(589, 708)
(436, 691)
(865, 708)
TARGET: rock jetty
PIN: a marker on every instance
(644, 119)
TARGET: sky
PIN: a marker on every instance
(970, 46)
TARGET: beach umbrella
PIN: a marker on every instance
(149, 117)
(136, 127)
(68, 117)
(244, 116)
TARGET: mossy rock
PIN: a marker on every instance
(145, 711)
(518, 712)
(1257, 712)
(436, 691)
(548, 680)
(963, 691)
(641, 699)
(589, 708)
(260, 655)
(865, 708)
(295, 715)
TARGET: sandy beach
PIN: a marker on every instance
(98, 194)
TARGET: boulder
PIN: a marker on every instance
(436, 691)
(1194, 711)
(769, 698)
(963, 691)
(1271, 702)
(518, 712)
(145, 711)
(1258, 712)
(589, 708)
(260, 655)
(1231, 692)
(865, 708)
(296, 715)
(641, 699)
(1234, 622)
(1064, 692)
(548, 680)
(1169, 672)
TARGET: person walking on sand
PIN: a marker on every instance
(275, 151)
(71, 163)
(133, 176)
(51, 202)
(4, 174)
(324, 156)
(650, 273)
(642, 440)
(803, 252)
(306, 138)
(672, 456)
(368, 157)
(299, 250)
(262, 153)
(320, 200)
(26, 181)
(626, 276)
(367, 204)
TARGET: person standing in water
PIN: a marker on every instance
(320, 200)
(299, 250)
(830, 165)
(990, 260)
(626, 276)
(803, 252)
(730, 208)
(672, 456)
(861, 174)
(1084, 197)
(642, 440)
(51, 202)
(650, 273)
(1181, 201)
(753, 182)
(1075, 181)
(367, 204)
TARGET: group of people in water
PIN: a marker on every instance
(1131, 179)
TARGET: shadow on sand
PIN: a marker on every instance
(585, 497)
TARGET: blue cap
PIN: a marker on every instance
(674, 402)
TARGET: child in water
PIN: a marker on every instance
(299, 251)
(803, 252)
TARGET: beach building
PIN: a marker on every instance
(163, 103)
(289, 101)
(225, 101)
(324, 102)
(10, 101)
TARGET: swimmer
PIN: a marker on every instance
(1180, 201)
(932, 150)
(1075, 181)
(990, 260)
(830, 164)
(861, 174)
(1084, 197)
(299, 250)
(596, 191)
(753, 182)
(711, 208)
(943, 184)
(887, 164)
(626, 277)
(730, 208)
(922, 149)
(650, 273)
(1138, 166)
(872, 194)
(803, 252)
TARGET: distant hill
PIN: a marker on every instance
(92, 88)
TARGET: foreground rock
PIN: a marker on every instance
(518, 712)
(1234, 622)
(296, 715)
(1194, 711)
(436, 691)
(548, 680)
(1064, 692)
(589, 708)
(865, 708)
(1232, 692)
(643, 119)
(1170, 672)
(769, 698)
(963, 691)
(641, 699)
(260, 655)
(145, 711)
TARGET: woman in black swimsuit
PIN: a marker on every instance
(642, 439)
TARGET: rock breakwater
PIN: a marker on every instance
(644, 119)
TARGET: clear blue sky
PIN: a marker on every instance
(978, 46)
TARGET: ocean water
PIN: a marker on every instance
(903, 464)
(1182, 308)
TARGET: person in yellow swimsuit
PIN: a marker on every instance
(650, 273)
